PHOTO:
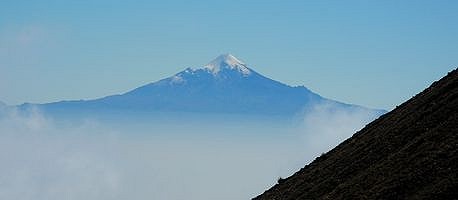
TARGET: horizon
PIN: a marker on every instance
(374, 54)
(229, 58)
(106, 100)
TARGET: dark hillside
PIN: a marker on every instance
(408, 153)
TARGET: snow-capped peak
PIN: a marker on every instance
(223, 67)
(227, 61)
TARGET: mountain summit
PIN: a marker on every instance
(224, 67)
(227, 62)
(224, 85)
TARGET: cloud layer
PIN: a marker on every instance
(93, 160)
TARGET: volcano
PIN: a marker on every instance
(224, 85)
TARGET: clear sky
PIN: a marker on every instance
(372, 53)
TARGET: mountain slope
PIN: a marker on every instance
(221, 86)
(225, 85)
(409, 153)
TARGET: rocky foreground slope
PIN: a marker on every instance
(408, 153)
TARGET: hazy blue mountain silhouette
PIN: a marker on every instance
(225, 85)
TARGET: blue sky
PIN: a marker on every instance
(372, 53)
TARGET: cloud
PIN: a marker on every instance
(25, 45)
(23, 36)
(326, 126)
(42, 159)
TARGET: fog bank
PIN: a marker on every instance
(41, 159)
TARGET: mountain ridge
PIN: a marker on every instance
(224, 85)
(408, 153)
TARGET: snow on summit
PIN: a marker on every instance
(227, 61)
(225, 85)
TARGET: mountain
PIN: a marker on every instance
(408, 153)
(225, 85)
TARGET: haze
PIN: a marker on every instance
(363, 52)
(328, 67)
(45, 158)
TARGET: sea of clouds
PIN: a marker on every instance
(42, 159)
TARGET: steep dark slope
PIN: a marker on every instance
(409, 153)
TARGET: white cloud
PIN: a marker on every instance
(44, 160)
